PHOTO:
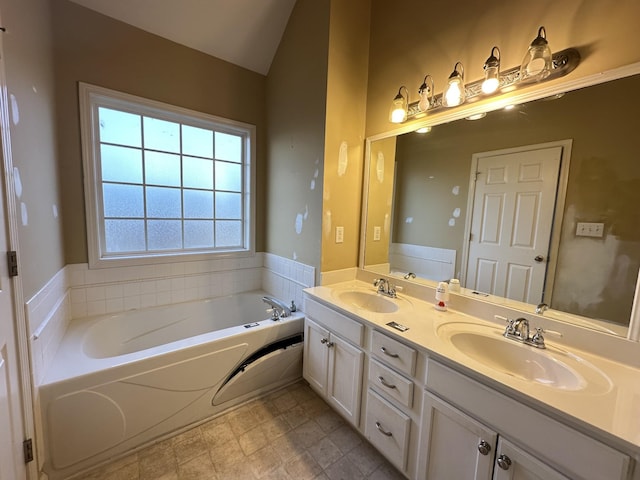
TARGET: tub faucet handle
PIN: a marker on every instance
(293, 306)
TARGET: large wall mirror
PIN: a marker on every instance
(539, 204)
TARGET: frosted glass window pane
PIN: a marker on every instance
(119, 127)
(124, 235)
(228, 234)
(198, 233)
(197, 173)
(197, 142)
(121, 164)
(198, 204)
(164, 234)
(228, 205)
(161, 135)
(162, 169)
(122, 200)
(228, 147)
(228, 176)
(163, 202)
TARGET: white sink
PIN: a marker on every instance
(550, 367)
(370, 301)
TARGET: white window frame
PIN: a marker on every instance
(92, 97)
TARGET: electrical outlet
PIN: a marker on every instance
(339, 234)
(586, 229)
(376, 234)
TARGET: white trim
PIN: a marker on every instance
(89, 97)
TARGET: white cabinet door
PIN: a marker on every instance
(316, 356)
(344, 388)
(512, 463)
(453, 445)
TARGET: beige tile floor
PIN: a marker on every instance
(288, 434)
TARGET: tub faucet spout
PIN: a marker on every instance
(278, 309)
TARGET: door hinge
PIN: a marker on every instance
(12, 260)
(27, 447)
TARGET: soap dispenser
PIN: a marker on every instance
(442, 296)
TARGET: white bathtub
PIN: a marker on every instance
(119, 381)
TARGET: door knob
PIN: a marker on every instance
(539, 258)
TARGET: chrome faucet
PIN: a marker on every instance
(409, 275)
(278, 309)
(519, 331)
(385, 287)
(541, 308)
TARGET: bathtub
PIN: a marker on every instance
(119, 381)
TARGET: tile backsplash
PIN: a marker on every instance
(77, 291)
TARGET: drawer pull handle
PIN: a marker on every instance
(392, 355)
(383, 382)
(382, 430)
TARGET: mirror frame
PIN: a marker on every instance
(496, 103)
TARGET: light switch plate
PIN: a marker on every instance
(590, 229)
(339, 234)
(376, 234)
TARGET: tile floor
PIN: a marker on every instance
(288, 434)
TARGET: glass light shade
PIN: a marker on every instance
(492, 72)
(455, 93)
(537, 62)
(399, 108)
(425, 93)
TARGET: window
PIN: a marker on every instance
(162, 181)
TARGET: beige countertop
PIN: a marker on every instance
(605, 405)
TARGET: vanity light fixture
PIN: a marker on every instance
(492, 72)
(426, 94)
(455, 93)
(537, 63)
(423, 130)
(399, 107)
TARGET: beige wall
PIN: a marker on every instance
(96, 49)
(344, 132)
(29, 71)
(296, 103)
(411, 38)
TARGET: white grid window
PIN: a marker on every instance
(162, 180)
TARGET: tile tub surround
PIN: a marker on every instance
(290, 434)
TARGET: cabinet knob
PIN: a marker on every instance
(382, 430)
(330, 344)
(504, 462)
(324, 340)
(484, 448)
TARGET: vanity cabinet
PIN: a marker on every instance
(521, 443)
(332, 365)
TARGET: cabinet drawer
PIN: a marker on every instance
(387, 428)
(394, 353)
(390, 383)
(338, 323)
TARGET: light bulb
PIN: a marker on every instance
(398, 111)
(455, 93)
(425, 92)
(537, 63)
(492, 72)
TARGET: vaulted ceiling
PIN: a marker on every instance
(244, 32)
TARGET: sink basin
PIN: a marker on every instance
(550, 367)
(370, 301)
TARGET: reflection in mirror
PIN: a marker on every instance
(424, 215)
